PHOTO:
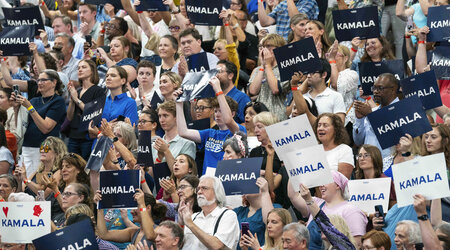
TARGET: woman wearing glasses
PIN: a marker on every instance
(74, 193)
(46, 115)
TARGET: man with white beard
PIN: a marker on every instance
(215, 227)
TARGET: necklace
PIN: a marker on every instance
(48, 100)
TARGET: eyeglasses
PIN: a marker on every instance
(68, 194)
(43, 79)
(143, 121)
(174, 28)
(45, 148)
(361, 156)
(203, 188)
(379, 88)
(267, 46)
(182, 187)
(201, 108)
(110, 26)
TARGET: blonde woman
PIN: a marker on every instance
(168, 83)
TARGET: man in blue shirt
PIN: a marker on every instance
(227, 76)
(284, 11)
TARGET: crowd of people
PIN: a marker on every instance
(129, 59)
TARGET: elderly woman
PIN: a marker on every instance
(236, 147)
(8, 185)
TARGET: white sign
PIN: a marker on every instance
(368, 193)
(308, 166)
(425, 175)
(23, 222)
(291, 135)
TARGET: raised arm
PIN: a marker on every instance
(429, 237)
(402, 12)
(23, 85)
(297, 201)
(421, 56)
(266, 201)
(299, 100)
(130, 11)
(227, 115)
(183, 131)
(147, 221)
(264, 19)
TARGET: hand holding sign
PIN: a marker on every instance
(297, 77)
(305, 193)
(139, 198)
(262, 184)
(423, 32)
(420, 204)
(405, 143)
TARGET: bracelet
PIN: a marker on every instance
(2, 200)
(421, 42)
(227, 24)
(309, 203)
(219, 93)
(102, 31)
(332, 61)
(115, 162)
(57, 194)
(261, 69)
(143, 181)
(142, 209)
(354, 50)
(158, 160)
(139, 12)
(30, 108)
(26, 181)
(236, 26)
(294, 88)
(407, 37)
(43, 3)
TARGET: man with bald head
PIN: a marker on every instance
(384, 93)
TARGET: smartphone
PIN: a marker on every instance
(245, 226)
(121, 118)
(16, 90)
(410, 23)
(88, 39)
(49, 175)
(379, 211)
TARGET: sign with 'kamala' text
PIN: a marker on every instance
(359, 22)
(308, 166)
(76, 236)
(438, 20)
(21, 16)
(197, 62)
(145, 156)
(297, 56)
(152, 5)
(239, 176)
(425, 175)
(204, 12)
(15, 41)
(99, 153)
(394, 121)
(196, 85)
(367, 193)
(440, 62)
(22, 222)
(423, 86)
(291, 135)
(118, 187)
(369, 72)
(92, 112)
(161, 172)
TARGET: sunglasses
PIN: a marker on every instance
(45, 148)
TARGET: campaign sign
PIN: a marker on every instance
(440, 62)
(298, 56)
(76, 236)
(367, 193)
(199, 124)
(23, 16)
(438, 20)
(99, 153)
(197, 62)
(161, 171)
(116, 3)
(145, 157)
(425, 87)
(394, 121)
(14, 41)
(118, 188)
(361, 22)
(369, 72)
(23, 222)
(239, 176)
(155, 101)
(152, 5)
(204, 12)
(426, 175)
(291, 135)
(196, 85)
(308, 166)
(92, 112)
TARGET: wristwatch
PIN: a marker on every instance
(423, 217)
(407, 154)
(176, 12)
(115, 139)
(78, 102)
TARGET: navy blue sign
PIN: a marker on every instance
(369, 72)
(199, 124)
(145, 157)
(298, 56)
(239, 176)
(14, 41)
(155, 101)
(99, 153)
(425, 87)
(438, 20)
(161, 171)
(394, 121)
(196, 85)
(197, 62)
(76, 236)
(204, 12)
(152, 5)
(92, 112)
(440, 62)
(118, 188)
(362, 22)
(116, 3)
(21, 16)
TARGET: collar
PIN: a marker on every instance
(215, 213)
(326, 92)
(118, 97)
(175, 139)
(71, 61)
(394, 101)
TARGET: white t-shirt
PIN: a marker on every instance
(329, 101)
(159, 28)
(6, 155)
(340, 154)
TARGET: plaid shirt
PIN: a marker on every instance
(280, 14)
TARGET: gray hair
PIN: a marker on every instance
(446, 116)
(128, 135)
(301, 232)
(219, 191)
(70, 40)
(20, 197)
(414, 236)
(240, 138)
(176, 230)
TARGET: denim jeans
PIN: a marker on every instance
(389, 19)
(81, 147)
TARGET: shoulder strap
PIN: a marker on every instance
(196, 216)
(321, 205)
(218, 221)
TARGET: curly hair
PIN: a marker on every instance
(386, 52)
(376, 158)
(444, 131)
(79, 163)
(58, 147)
(340, 134)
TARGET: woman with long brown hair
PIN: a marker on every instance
(316, 30)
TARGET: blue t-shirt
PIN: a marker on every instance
(121, 105)
(212, 141)
(114, 221)
(242, 100)
(52, 107)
